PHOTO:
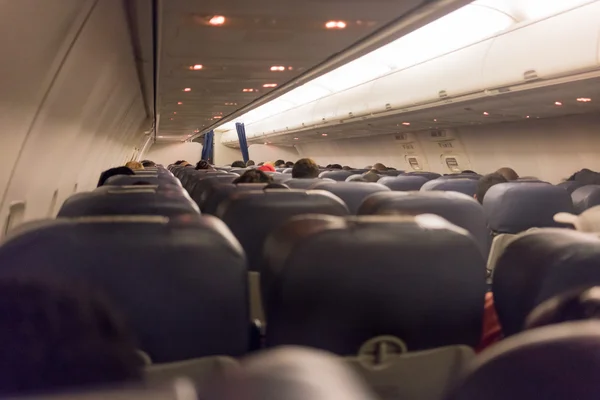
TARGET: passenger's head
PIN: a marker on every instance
(266, 168)
(250, 163)
(347, 168)
(112, 172)
(238, 164)
(254, 176)
(275, 185)
(279, 163)
(371, 176)
(335, 166)
(379, 167)
(148, 164)
(289, 164)
(486, 182)
(179, 162)
(134, 165)
(508, 173)
(305, 168)
(56, 338)
(468, 171)
(203, 164)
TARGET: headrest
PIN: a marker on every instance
(355, 177)
(585, 197)
(301, 183)
(459, 209)
(461, 176)
(466, 186)
(339, 176)
(353, 193)
(199, 190)
(391, 172)
(163, 274)
(573, 305)
(127, 180)
(363, 271)
(214, 195)
(570, 186)
(139, 201)
(553, 363)
(538, 265)
(287, 170)
(429, 175)
(517, 206)
(281, 178)
(252, 215)
(403, 183)
(192, 181)
(588, 221)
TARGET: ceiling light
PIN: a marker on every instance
(584, 99)
(275, 68)
(269, 85)
(435, 120)
(323, 134)
(335, 25)
(171, 119)
(217, 117)
(179, 103)
(295, 138)
(231, 104)
(175, 112)
(187, 89)
(197, 131)
(486, 113)
(406, 123)
(557, 103)
(189, 135)
(527, 116)
(249, 90)
(217, 20)
(160, 137)
(196, 67)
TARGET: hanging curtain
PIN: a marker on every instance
(241, 131)
(208, 146)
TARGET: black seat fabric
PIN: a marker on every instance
(214, 195)
(204, 184)
(199, 176)
(460, 176)
(127, 180)
(570, 186)
(353, 193)
(339, 176)
(138, 200)
(334, 283)
(538, 265)
(300, 183)
(457, 208)
(428, 175)
(586, 197)
(461, 185)
(403, 183)
(551, 363)
(251, 216)
(517, 206)
(181, 282)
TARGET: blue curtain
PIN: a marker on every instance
(241, 131)
(208, 146)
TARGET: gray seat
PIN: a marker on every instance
(203, 185)
(339, 176)
(460, 185)
(353, 193)
(404, 183)
(585, 197)
(301, 183)
(215, 194)
(428, 175)
(570, 186)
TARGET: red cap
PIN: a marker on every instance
(266, 168)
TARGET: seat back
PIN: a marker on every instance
(457, 208)
(428, 175)
(335, 283)
(204, 184)
(585, 197)
(215, 194)
(353, 193)
(301, 183)
(460, 185)
(403, 183)
(339, 176)
(180, 282)
(570, 186)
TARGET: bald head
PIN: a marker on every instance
(508, 173)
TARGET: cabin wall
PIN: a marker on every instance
(168, 153)
(550, 149)
(70, 102)
(224, 155)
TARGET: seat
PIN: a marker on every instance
(538, 265)
(551, 363)
(203, 184)
(404, 183)
(514, 207)
(572, 305)
(339, 176)
(585, 197)
(457, 208)
(136, 200)
(428, 175)
(393, 172)
(195, 178)
(215, 194)
(461, 176)
(353, 193)
(338, 283)
(129, 180)
(180, 282)
(570, 186)
(280, 177)
(287, 171)
(460, 185)
(301, 183)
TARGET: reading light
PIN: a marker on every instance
(557, 103)
(295, 138)
(486, 113)
(323, 134)
(277, 68)
(269, 85)
(217, 20)
(196, 67)
(217, 117)
(187, 89)
(248, 90)
(335, 25)
(171, 119)
(197, 131)
(179, 103)
(435, 120)
(174, 112)
(584, 100)
(406, 123)
(527, 116)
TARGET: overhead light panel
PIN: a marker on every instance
(217, 117)
(584, 99)
(248, 90)
(231, 104)
(335, 25)
(196, 67)
(406, 123)
(270, 85)
(323, 134)
(486, 113)
(275, 68)
(557, 103)
(197, 131)
(217, 20)
(295, 138)
(187, 89)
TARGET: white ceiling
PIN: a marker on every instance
(257, 34)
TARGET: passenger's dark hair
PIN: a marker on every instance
(371, 176)
(112, 172)
(305, 168)
(254, 176)
(203, 164)
(56, 337)
(486, 182)
(289, 164)
(379, 167)
(279, 163)
(573, 305)
(275, 185)
(250, 163)
(468, 171)
(347, 168)
(148, 163)
(335, 166)
(238, 164)
(179, 162)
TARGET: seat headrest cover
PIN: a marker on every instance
(181, 282)
(570, 186)
(428, 175)
(574, 305)
(532, 366)
(461, 185)
(214, 195)
(377, 276)
(540, 264)
(301, 183)
(353, 193)
(517, 206)
(586, 197)
(336, 175)
(404, 183)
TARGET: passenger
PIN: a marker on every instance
(371, 176)
(148, 164)
(289, 164)
(179, 162)
(335, 166)
(508, 173)
(279, 164)
(586, 176)
(56, 338)
(112, 172)
(260, 164)
(468, 171)
(253, 176)
(347, 168)
(305, 168)
(238, 164)
(267, 167)
(134, 165)
(379, 167)
(486, 182)
(250, 163)
(204, 165)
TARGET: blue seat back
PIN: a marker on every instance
(353, 193)
(460, 185)
(404, 183)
